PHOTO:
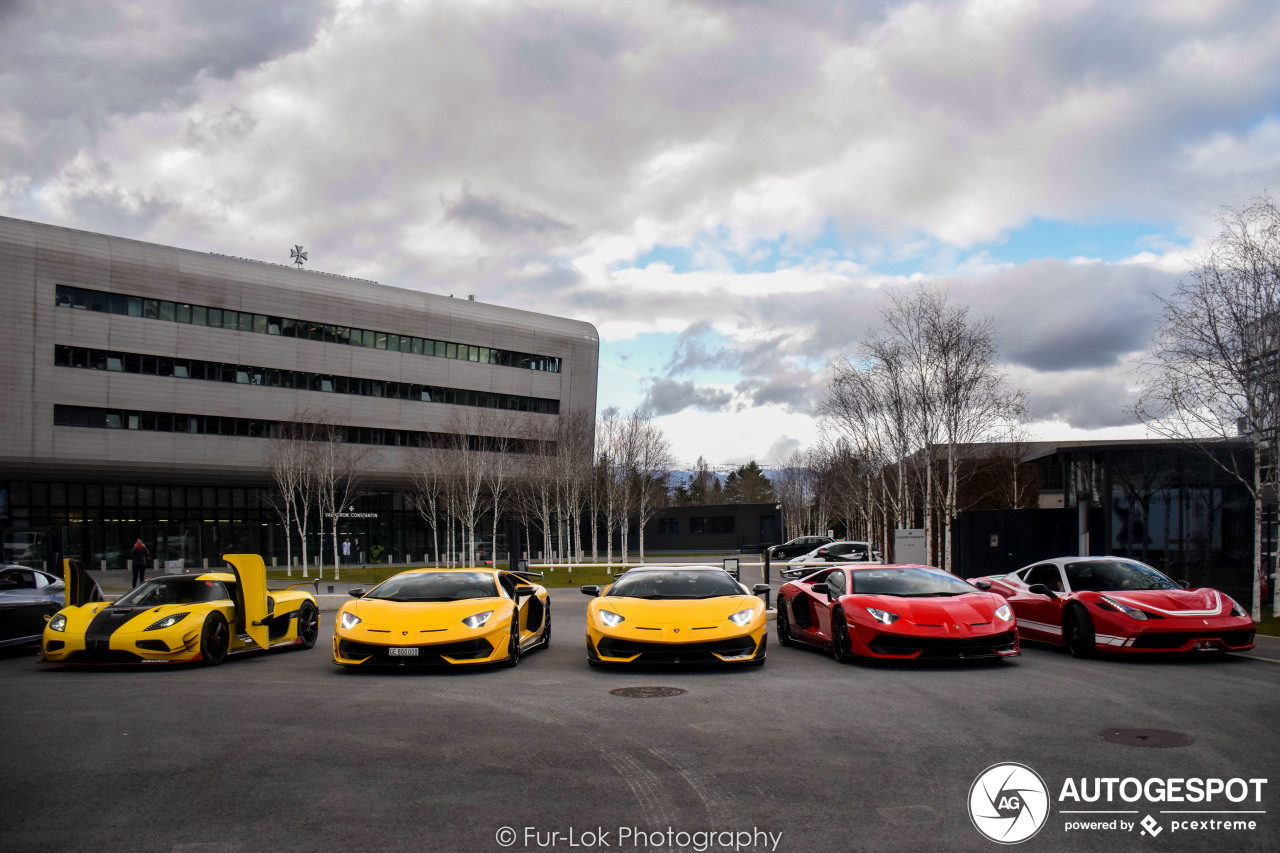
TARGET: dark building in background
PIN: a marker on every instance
(1153, 500)
(713, 527)
(140, 384)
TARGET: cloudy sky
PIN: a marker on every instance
(727, 190)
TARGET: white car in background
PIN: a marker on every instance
(843, 551)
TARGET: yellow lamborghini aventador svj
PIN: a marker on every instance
(427, 617)
(676, 614)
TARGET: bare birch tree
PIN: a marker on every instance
(1213, 373)
(287, 460)
(426, 478)
(337, 467)
(467, 464)
(651, 468)
(575, 450)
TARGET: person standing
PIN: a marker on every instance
(346, 551)
(140, 557)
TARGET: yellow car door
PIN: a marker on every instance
(79, 587)
(251, 595)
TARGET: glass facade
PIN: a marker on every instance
(184, 525)
(296, 380)
(86, 299)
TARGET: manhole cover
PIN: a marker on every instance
(646, 692)
(1157, 738)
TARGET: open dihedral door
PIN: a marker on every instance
(80, 588)
(251, 595)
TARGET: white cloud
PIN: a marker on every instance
(529, 154)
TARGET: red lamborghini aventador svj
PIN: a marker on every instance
(896, 611)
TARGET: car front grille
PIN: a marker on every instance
(944, 647)
(1175, 640)
(676, 652)
(97, 651)
(428, 655)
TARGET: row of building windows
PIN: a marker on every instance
(68, 296)
(298, 380)
(102, 418)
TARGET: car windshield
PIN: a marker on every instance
(1115, 576)
(677, 583)
(436, 586)
(906, 582)
(174, 591)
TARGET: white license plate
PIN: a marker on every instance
(402, 653)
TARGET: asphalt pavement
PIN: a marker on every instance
(286, 752)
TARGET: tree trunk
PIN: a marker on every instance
(1256, 610)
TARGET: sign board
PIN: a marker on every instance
(909, 546)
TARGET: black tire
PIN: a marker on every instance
(513, 645)
(783, 623)
(308, 624)
(841, 648)
(1077, 628)
(215, 639)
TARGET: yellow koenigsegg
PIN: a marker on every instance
(676, 614)
(427, 617)
(201, 616)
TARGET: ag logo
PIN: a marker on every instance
(1008, 803)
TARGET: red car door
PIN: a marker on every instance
(811, 610)
(1039, 616)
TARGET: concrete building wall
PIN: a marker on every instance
(35, 259)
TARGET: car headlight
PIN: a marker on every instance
(168, 621)
(478, 619)
(1003, 612)
(58, 623)
(1132, 612)
(882, 615)
(349, 619)
(610, 619)
(743, 617)
(1236, 609)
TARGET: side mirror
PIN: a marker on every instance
(822, 588)
(357, 592)
(591, 590)
(761, 588)
(522, 591)
(1185, 584)
(982, 584)
(1040, 589)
